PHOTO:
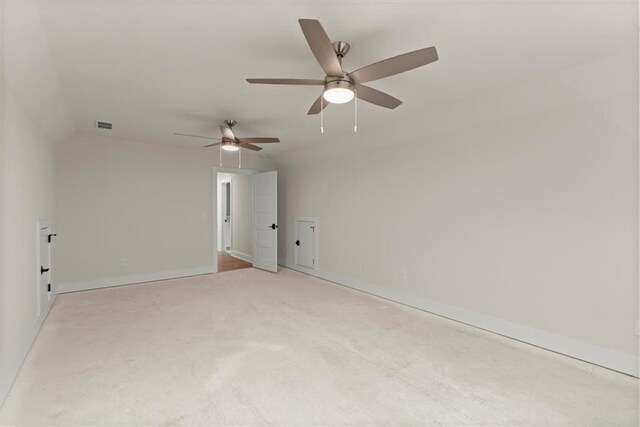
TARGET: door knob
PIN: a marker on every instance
(297, 242)
(274, 226)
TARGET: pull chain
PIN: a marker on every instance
(355, 106)
(220, 155)
(321, 114)
(239, 158)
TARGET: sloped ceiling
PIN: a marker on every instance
(154, 68)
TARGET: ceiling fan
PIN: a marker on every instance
(340, 86)
(229, 142)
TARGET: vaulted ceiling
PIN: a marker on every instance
(154, 67)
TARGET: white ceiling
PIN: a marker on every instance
(158, 67)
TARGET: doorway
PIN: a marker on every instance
(234, 226)
(252, 198)
(225, 217)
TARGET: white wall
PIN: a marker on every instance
(515, 210)
(34, 116)
(151, 204)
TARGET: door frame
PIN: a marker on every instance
(315, 220)
(214, 216)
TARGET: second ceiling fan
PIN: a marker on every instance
(340, 86)
(229, 142)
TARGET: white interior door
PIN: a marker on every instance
(44, 282)
(265, 220)
(305, 244)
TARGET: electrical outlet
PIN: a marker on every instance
(402, 276)
(123, 262)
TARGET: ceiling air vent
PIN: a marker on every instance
(104, 125)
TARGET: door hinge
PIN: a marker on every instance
(43, 270)
(49, 287)
(313, 261)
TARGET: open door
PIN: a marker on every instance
(265, 220)
(44, 276)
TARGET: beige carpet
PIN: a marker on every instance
(249, 347)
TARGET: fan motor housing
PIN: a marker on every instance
(339, 82)
(229, 141)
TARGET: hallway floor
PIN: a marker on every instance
(226, 262)
(250, 347)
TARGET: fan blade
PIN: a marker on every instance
(317, 106)
(397, 64)
(301, 82)
(321, 47)
(213, 145)
(227, 132)
(374, 96)
(257, 140)
(250, 146)
(197, 136)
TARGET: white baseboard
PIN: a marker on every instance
(85, 285)
(611, 359)
(13, 369)
(241, 255)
